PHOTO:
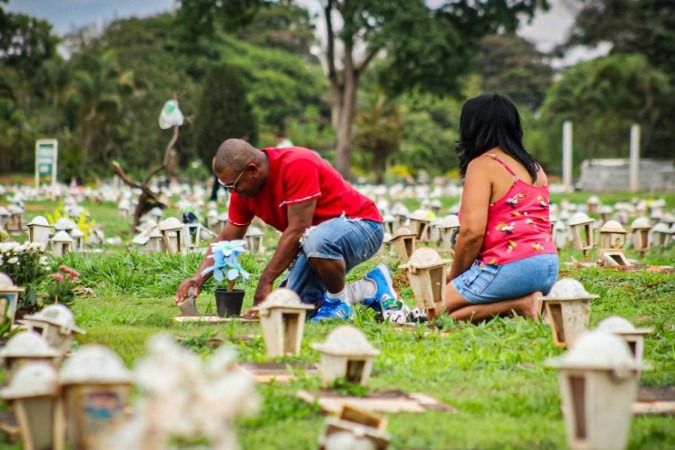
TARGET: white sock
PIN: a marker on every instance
(360, 290)
(342, 296)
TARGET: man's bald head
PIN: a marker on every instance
(235, 154)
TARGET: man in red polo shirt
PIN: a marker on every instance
(327, 227)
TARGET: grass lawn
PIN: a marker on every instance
(492, 374)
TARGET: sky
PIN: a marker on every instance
(547, 29)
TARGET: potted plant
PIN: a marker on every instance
(62, 286)
(226, 265)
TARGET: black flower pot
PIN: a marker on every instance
(228, 303)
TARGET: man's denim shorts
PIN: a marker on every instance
(353, 241)
(490, 283)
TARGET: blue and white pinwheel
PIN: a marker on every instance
(225, 262)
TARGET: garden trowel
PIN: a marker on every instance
(187, 306)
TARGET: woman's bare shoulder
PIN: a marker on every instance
(480, 163)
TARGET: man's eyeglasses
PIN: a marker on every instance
(233, 186)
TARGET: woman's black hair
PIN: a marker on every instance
(490, 121)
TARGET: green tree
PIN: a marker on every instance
(511, 65)
(427, 49)
(311, 128)
(281, 25)
(635, 26)
(200, 17)
(431, 127)
(25, 43)
(224, 112)
(632, 26)
(102, 86)
(150, 49)
(379, 132)
(602, 98)
(279, 85)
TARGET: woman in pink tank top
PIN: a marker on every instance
(505, 258)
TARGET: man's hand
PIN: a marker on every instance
(188, 288)
(262, 291)
(250, 314)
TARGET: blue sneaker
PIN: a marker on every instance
(336, 309)
(385, 296)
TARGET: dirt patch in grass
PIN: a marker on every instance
(400, 279)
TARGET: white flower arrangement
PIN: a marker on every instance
(27, 265)
(185, 398)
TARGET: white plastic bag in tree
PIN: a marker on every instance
(170, 116)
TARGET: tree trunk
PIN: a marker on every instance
(87, 152)
(344, 127)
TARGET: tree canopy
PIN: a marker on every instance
(384, 88)
(642, 27)
(223, 113)
(511, 65)
(427, 49)
(603, 98)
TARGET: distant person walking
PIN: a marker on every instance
(505, 257)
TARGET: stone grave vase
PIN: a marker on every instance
(592, 205)
(388, 221)
(4, 217)
(39, 230)
(95, 386)
(403, 243)
(282, 316)
(191, 234)
(661, 234)
(9, 298)
(449, 228)
(598, 385)
(640, 228)
(426, 273)
(56, 324)
(612, 241)
(568, 311)
(419, 225)
(155, 241)
(346, 354)
(354, 426)
(582, 233)
(172, 235)
(254, 239)
(78, 239)
(33, 395)
(62, 243)
(633, 337)
(25, 348)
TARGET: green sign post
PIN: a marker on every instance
(46, 157)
